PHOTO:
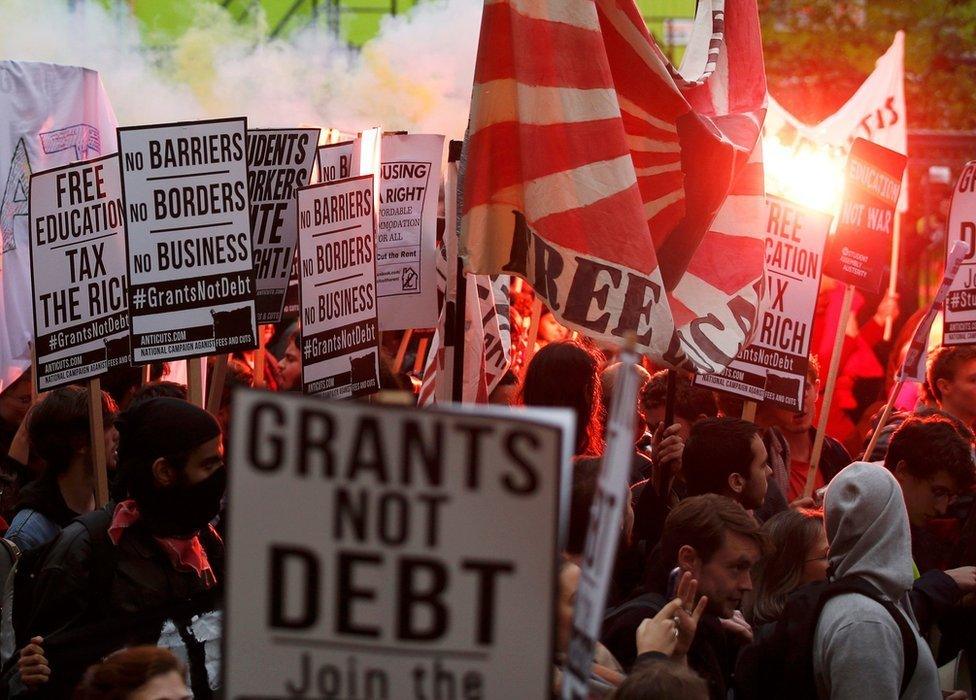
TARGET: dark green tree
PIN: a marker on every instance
(818, 52)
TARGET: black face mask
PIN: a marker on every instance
(185, 509)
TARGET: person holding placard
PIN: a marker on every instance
(58, 429)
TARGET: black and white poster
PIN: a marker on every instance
(417, 558)
(960, 306)
(406, 236)
(188, 230)
(77, 249)
(337, 265)
(279, 161)
(335, 161)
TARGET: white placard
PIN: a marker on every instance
(773, 366)
(78, 270)
(279, 161)
(417, 558)
(337, 265)
(188, 232)
(406, 234)
(960, 307)
(335, 161)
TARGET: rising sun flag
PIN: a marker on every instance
(629, 193)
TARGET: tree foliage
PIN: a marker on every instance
(818, 52)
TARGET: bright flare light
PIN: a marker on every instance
(809, 176)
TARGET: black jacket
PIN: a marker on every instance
(85, 615)
(712, 654)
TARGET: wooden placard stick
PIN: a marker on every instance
(418, 363)
(749, 411)
(893, 277)
(217, 384)
(533, 333)
(259, 359)
(845, 314)
(97, 441)
(402, 350)
(194, 380)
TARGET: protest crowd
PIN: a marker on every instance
(578, 407)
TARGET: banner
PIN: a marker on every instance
(78, 272)
(279, 161)
(50, 116)
(336, 249)
(774, 366)
(606, 519)
(914, 366)
(860, 249)
(335, 161)
(406, 237)
(402, 569)
(616, 184)
(188, 231)
(876, 112)
(960, 309)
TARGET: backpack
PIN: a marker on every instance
(21, 580)
(780, 664)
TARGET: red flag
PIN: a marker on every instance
(630, 197)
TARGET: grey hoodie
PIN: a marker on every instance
(857, 649)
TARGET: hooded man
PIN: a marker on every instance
(115, 575)
(858, 649)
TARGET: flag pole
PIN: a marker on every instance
(845, 314)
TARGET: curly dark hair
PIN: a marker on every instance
(690, 401)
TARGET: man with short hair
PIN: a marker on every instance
(951, 379)
(726, 456)
(716, 542)
(290, 365)
(932, 462)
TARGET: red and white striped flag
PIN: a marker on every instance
(630, 197)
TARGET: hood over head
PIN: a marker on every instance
(867, 528)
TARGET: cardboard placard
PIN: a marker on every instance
(188, 231)
(773, 366)
(960, 307)
(336, 246)
(279, 161)
(335, 161)
(78, 271)
(402, 569)
(860, 249)
(406, 236)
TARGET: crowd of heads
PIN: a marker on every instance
(719, 535)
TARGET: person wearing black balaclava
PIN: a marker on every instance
(115, 575)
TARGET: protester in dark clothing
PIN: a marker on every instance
(716, 543)
(137, 673)
(164, 559)
(797, 555)
(566, 374)
(59, 433)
